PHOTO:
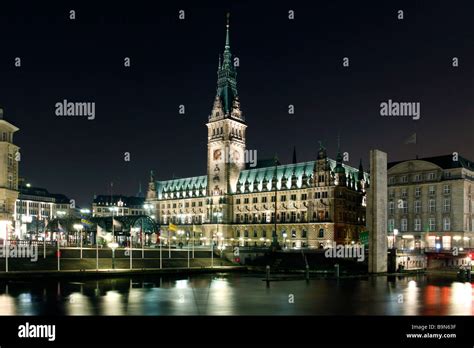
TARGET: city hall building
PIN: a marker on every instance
(307, 204)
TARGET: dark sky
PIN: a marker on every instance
(282, 62)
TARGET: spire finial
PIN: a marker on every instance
(227, 41)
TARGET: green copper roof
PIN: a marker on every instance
(256, 177)
(194, 183)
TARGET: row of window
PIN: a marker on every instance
(418, 191)
(402, 204)
(417, 225)
(283, 234)
(415, 178)
(293, 197)
(180, 205)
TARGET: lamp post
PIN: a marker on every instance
(395, 233)
(284, 240)
(78, 228)
(113, 246)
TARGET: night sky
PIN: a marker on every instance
(282, 62)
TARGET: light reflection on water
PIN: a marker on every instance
(238, 294)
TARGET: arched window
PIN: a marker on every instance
(303, 234)
(321, 233)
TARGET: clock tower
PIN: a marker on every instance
(226, 133)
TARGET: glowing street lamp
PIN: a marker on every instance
(395, 233)
(284, 239)
(113, 246)
(78, 228)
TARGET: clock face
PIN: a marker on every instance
(217, 154)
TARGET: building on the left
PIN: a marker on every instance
(9, 158)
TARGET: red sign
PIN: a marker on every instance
(58, 254)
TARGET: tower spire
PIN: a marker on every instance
(227, 40)
(227, 76)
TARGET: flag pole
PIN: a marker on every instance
(7, 252)
(188, 255)
(44, 244)
(161, 254)
(96, 250)
(169, 243)
(58, 241)
(143, 242)
(131, 251)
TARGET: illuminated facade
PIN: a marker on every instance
(430, 202)
(307, 204)
(8, 176)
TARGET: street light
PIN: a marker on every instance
(395, 233)
(113, 246)
(284, 240)
(78, 228)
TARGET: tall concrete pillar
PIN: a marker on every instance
(377, 212)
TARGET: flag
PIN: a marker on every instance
(116, 223)
(60, 228)
(100, 232)
(86, 222)
(172, 227)
(411, 139)
(197, 228)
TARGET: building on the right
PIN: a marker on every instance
(430, 203)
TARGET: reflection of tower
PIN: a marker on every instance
(226, 130)
(9, 157)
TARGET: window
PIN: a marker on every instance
(293, 197)
(446, 224)
(325, 194)
(417, 207)
(432, 205)
(273, 199)
(404, 192)
(303, 234)
(432, 224)
(417, 224)
(431, 176)
(237, 201)
(283, 199)
(246, 234)
(293, 216)
(447, 205)
(304, 196)
(404, 225)
(404, 178)
(264, 199)
(391, 208)
(254, 233)
(246, 201)
(321, 233)
(255, 200)
(432, 191)
(391, 194)
(317, 195)
(417, 177)
(392, 180)
(446, 189)
(293, 234)
(417, 191)
(391, 225)
(405, 206)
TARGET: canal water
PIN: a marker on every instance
(237, 294)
